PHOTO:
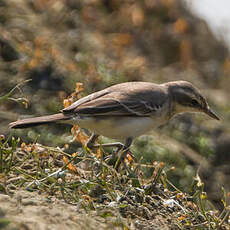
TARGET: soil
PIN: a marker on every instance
(29, 210)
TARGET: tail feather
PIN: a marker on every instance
(30, 122)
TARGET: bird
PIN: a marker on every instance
(127, 110)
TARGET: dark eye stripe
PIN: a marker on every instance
(194, 102)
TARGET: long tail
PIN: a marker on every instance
(30, 122)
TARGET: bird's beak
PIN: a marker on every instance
(209, 112)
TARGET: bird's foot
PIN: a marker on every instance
(90, 142)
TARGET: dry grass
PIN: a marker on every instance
(86, 181)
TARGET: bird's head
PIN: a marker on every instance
(187, 98)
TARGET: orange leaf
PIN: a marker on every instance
(129, 158)
(98, 155)
(74, 154)
(67, 102)
(180, 26)
(86, 197)
(83, 138)
(79, 87)
(79, 135)
(70, 166)
(181, 218)
(33, 63)
(23, 145)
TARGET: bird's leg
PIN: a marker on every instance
(92, 139)
(124, 152)
(120, 147)
(111, 159)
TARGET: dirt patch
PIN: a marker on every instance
(29, 210)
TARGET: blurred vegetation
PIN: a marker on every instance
(57, 43)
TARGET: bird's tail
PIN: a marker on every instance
(30, 122)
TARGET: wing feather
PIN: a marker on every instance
(121, 101)
(113, 107)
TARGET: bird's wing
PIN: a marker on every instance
(117, 103)
(113, 107)
(84, 100)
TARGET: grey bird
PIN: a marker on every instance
(127, 110)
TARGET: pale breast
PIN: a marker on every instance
(120, 127)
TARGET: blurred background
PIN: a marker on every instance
(57, 43)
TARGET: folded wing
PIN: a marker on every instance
(119, 103)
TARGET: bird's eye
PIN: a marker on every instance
(194, 102)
